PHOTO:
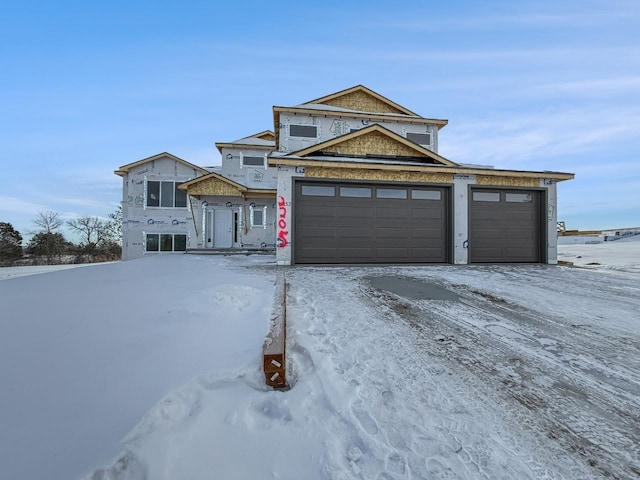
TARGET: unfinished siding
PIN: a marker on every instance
(213, 186)
(140, 219)
(331, 126)
(500, 181)
(374, 143)
(378, 175)
(362, 102)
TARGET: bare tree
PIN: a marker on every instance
(92, 229)
(114, 225)
(48, 222)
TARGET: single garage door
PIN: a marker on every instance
(504, 226)
(369, 223)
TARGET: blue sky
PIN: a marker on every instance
(527, 85)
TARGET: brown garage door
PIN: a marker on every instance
(504, 226)
(367, 223)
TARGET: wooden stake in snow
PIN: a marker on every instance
(274, 350)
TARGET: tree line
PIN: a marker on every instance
(100, 240)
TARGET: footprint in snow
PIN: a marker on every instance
(396, 464)
(368, 424)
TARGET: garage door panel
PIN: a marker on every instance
(487, 234)
(515, 253)
(436, 214)
(393, 231)
(353, 254)
(527, 235)
(355, 211)
(488, 215)
(427, 234)
(519, 217)
(392, 253)
(392, 213)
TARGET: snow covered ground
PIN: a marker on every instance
(400, 372)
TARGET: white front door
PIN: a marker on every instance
(223, 229)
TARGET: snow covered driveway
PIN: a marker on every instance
(472, 372)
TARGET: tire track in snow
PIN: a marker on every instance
(500, 347)
(401, 412)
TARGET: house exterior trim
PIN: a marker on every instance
(361, 89)
(410, 147)
(126, 169)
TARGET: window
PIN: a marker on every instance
(318, 191)
(426, 194)
(308, 131)
(153, 194)
(355, 192)
(400, 193)
(258, 217)
(166, 242)
(420, 138)
(518, 197)
(153, 244)
(486, 197)
(165, 194)
(252, 161)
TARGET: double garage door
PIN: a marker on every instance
(370, 223)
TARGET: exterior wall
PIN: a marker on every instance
(244, 236)
(552, 220)
(461, 217)
(460, 203)
(138, 219)
(250, 176)
(284, 201)
(331, 127)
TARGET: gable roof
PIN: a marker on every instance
(363, 99)
(264, 140)
(216, 184)
(125, 169)
(265, 135)
(372, 141)
(356, 102)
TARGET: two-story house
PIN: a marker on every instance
(351, 177)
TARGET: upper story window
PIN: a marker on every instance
(253, 161)
(307, 131)
(420, 138)
(165, 194)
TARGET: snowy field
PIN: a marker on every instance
(151, 369)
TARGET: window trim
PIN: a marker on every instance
(243, 165)
(252, 223)
(420, 133)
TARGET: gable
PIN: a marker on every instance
(362, 102)
(266, 135)
(374, 141)
(213, 184)
(362, 99)
(125, 169)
